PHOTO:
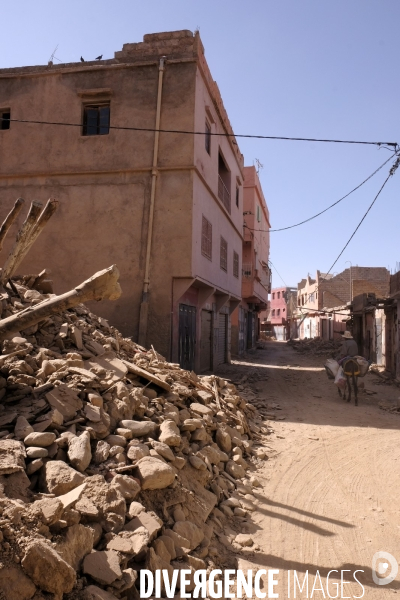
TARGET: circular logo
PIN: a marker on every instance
(381, 561)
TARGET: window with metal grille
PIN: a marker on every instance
(207, 137)
(5, 116)
(223, 256)
(96, 119)
(206, 238)
(235, 264)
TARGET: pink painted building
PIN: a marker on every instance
(167, 208)
(256, 274)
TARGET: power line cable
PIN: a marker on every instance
(280, 276)
(329, 207)
(233, 135)
(391, 173)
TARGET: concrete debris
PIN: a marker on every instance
(111, 458)
(316, 346)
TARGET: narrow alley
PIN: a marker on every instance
(329, 497)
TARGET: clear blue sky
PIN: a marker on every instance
(308, 68)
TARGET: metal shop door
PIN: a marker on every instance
(221, 356)
(250, 328)
(205, 342)
(241, 331)
(187, 336)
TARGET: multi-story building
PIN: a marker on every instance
(165, 206)
(256, 274)
(335, 291)
(283, 306)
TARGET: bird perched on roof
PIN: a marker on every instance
(82, 59)
(99, 57)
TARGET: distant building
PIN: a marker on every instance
(256, 273)
(167, 208)
(282, 309)
(316, 296)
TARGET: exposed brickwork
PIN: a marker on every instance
(336, 290)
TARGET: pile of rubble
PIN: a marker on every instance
(111, 458)
(316, 346)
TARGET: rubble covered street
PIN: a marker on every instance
(328, 498)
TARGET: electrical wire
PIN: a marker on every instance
(329, 207)
(277, 272)
(233, 135)
(391, 173)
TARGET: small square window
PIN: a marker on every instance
(223, 263)
(207, 137)
(96, 119)
(235, 264)
(5, 116)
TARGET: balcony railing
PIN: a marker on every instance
(247, 271)
(263, 275)
(224, 194)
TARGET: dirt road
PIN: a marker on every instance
(330, 499)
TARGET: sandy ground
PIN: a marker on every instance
(330, 498)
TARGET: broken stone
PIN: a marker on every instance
(15, 585)
(79, 451)
(77, 542)
(40, 439)
(161, 550)
(169, 433)
(139, 428)
(92, 592)
(154, 474)
(65, 400)
(130, 542)
(223, 440)
(147, 521)
(244, 539)
(135, 508)
(34, 466)
(234, 470)
(190, 532)
(197, 463)
(163, 450)
(102, 452)
(50, 508)
(103, 566)
(33, 452)
(108, 501)
(68, 500)
(40, 561)
(12, 454)
(137, 452)
(200, 409)
(22, 428)
(127, 486)
(58, 478)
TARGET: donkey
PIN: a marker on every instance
(351, 370)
